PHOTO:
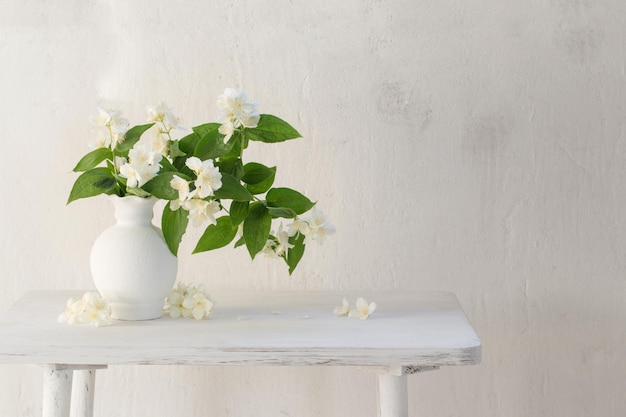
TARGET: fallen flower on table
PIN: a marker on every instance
(343, 309)
(188, 301)
(363, 309)
(90, 309)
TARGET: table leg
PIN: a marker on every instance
(83, 392)
(392, 388)
(57, 389)
(392, 396)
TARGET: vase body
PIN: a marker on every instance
(132, 267)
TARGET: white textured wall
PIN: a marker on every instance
(470, 146)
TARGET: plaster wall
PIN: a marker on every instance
(476, 147)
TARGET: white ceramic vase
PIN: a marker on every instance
(131, 265)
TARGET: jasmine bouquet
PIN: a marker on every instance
(204, 179)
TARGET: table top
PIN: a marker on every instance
(251, 328)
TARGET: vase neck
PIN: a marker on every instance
(133, 210)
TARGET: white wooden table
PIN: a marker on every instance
(408, 333)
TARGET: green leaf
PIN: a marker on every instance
(166, 166)
(284, 212)
(232, 190)
(174, 225)
(271, 129)
(238, 212)
(121, 182)
(205, 128)
(258, 177)
(232, 166)
(174, 149)
(263, 186)
(160, 187)
(92, 159)
(254, 173)
(179, 164)
(188, 143)
(138, 192)
(236, 151)
(256, 228)
(296, 252)
(211, 145)
(286, 197)
(130, 139)
(91, 183)
(240, 242)
(216, 235)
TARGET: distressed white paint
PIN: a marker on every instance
(83, 386)
(467, 146)
(83, 390)
(415, 330)
(57, 389)
(285, 328)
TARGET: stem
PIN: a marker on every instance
(169, 137)
(243, 141)
(166, 130)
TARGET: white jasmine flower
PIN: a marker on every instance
(235, 110)
(101, 139)
(201, 212)
(269, 250)
(165, 122)
(249, 120)
(194, 163)
(105, 117)
(188, 301)
(235, 105)
(91, 309)
(162, 113)
(363, 309)
(138, 175)
(208, 177)
(199, 304)
(149, 172)
(95, 300)
(142, 155)
(182, 186)
(227, 129)
(174, 301)
(71, 311)
(94, 316)
(176, 204)
(133, 177)
(118, 124)
(283, 237)
(343, 309)
(208, 181)
(283, 241)
(298, 226)
(119, 161)
(116, 138)
(160, 143)
(143, 165)
(111, 127)
(319, 226)
(116, 119)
